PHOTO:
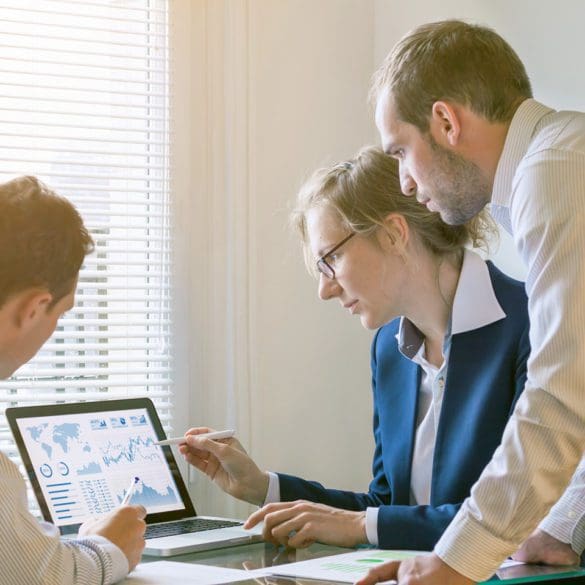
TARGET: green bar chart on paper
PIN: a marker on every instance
(343, 568)
(362, 565)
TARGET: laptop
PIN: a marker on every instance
(81, 459)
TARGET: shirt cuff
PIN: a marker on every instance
(273, 493)
(120, 567)
(372, 525)
(460, 543)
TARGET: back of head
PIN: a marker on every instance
(363, 191)
(453, 61)
(42, 240)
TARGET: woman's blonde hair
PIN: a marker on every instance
(363, 191)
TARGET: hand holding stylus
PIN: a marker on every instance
(226, 463)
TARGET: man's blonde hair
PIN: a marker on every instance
(453, 61)
(364, 190)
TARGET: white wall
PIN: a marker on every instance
(549, 40)
(311, 384)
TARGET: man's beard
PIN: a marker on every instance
(459, 187)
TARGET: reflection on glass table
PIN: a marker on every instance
(254, 556)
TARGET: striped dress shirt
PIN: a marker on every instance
(32, 552)
(539, 197)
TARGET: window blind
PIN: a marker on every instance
(84, 105)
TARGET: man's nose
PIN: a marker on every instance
(407, 184)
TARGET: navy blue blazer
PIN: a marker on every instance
(485, 375)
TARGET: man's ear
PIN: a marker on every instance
(34, 303)
(445, 124)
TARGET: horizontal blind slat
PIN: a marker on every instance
(111, 347)
(87, 153)
(89, 373)
(147, 82)
(79, 396)
(50, 10)
(90, 113)
(144, 130)
(83, 90)
(151, 9)
(50, 385)
(81, 64)
(162, 143)
(162, 62)
(104, 357)
(70, 100)
(82, 28)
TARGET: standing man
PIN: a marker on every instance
(42, 245)
(454, 106)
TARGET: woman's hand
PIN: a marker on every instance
(227, 464)
(299, 524)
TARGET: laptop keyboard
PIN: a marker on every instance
(187, 526)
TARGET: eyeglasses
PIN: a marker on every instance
(323, 266)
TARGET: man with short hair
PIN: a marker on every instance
(454, 106)
(42, 245)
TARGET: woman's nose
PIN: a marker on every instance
(328, 288)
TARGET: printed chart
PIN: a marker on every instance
(343, 568)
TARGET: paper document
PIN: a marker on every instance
(343, 568)
(171, 573)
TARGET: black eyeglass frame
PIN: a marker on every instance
(323, 266)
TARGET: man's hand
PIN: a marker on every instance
(299, 524)
(123, 527)
(541, 547)
(227, 464)
(423, 570)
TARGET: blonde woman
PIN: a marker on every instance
(448, 363)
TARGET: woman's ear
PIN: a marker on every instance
(395, 233)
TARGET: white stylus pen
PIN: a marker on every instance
(215, 435)
(130, 491)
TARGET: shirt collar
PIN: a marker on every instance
(474, 306)
(518, 138)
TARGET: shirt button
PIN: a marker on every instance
(441, 382)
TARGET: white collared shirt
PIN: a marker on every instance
(539, 196)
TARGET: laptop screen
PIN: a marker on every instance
(82, 458)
